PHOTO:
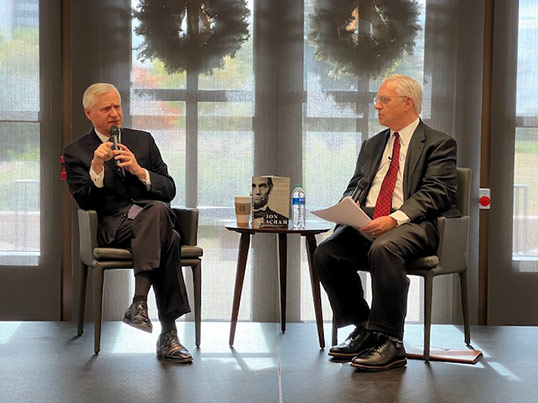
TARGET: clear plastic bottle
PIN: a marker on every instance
(298, 207)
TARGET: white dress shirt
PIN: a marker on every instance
(397, 197)
(99, 179)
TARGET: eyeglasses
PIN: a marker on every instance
(384, 99)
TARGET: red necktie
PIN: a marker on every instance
(383, 203)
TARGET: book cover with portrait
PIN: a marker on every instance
(270, 201)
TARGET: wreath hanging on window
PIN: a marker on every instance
(349, 51)
(192, 35)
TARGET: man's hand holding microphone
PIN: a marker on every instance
(124, 158)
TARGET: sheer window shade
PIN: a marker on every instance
(265, 112)
(19, 133)
(203, 126)
(525, 234)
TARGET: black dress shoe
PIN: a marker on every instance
(387, 354)
(137, 316)
(359, 341)
(170, 349)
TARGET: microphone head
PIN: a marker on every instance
(114, 131)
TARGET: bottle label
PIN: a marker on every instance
(300, 201)
(296, 200)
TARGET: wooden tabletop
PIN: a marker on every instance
(311, 228)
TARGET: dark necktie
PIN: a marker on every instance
(383, 203)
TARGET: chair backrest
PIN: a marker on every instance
(87, 229)
(188, 224)
(454, 233)
(463, 192)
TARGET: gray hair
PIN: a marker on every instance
(94, 90)
(408, 87)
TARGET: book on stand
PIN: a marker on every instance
(270, 201)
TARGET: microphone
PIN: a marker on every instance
(114, 136)
(361, 185)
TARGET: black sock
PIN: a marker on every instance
(142, 286)
(167, 325)
(137, 298)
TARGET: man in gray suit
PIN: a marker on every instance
(405, 177)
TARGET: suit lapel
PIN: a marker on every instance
(378, 143)
(375, 150)
(416, 145)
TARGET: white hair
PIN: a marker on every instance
(408, 87)
(94, 90)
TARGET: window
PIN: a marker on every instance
(525, 235)
(337, 117)
(203, 127)
(203, 124)
(19, 133)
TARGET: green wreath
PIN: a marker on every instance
(214, 29)
(394, 27)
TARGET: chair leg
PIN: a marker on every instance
(82, 298)
(98, 306)
(335, 333)
(197, 277)
(465, 307)
(428, 285)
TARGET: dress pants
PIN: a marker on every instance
(156, 248)
(338, 258)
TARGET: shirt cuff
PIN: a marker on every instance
(146, 181)
(400, 217)
(98, 179)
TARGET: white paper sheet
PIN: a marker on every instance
(345, 212)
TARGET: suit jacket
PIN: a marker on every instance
(429, 181)
(113, 200)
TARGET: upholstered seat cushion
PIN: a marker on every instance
(423, 263)
(112, 253)
(187, 251)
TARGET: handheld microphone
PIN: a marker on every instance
(114, 137)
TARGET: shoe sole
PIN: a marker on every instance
(349, 355)
(376, 368)
(177, 361)
(138, 326)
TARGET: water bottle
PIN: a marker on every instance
(298, 211)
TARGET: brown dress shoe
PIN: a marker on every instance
(170, 349)
(137, 316)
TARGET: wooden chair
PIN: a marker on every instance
(450, 258)
(101, 259)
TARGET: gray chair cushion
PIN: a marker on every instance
(423, 263)
(123, 254)
(112, 253)
(188, 251)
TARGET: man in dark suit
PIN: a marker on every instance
(130, 189)
(405, 177)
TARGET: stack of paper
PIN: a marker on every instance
(346, 212)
